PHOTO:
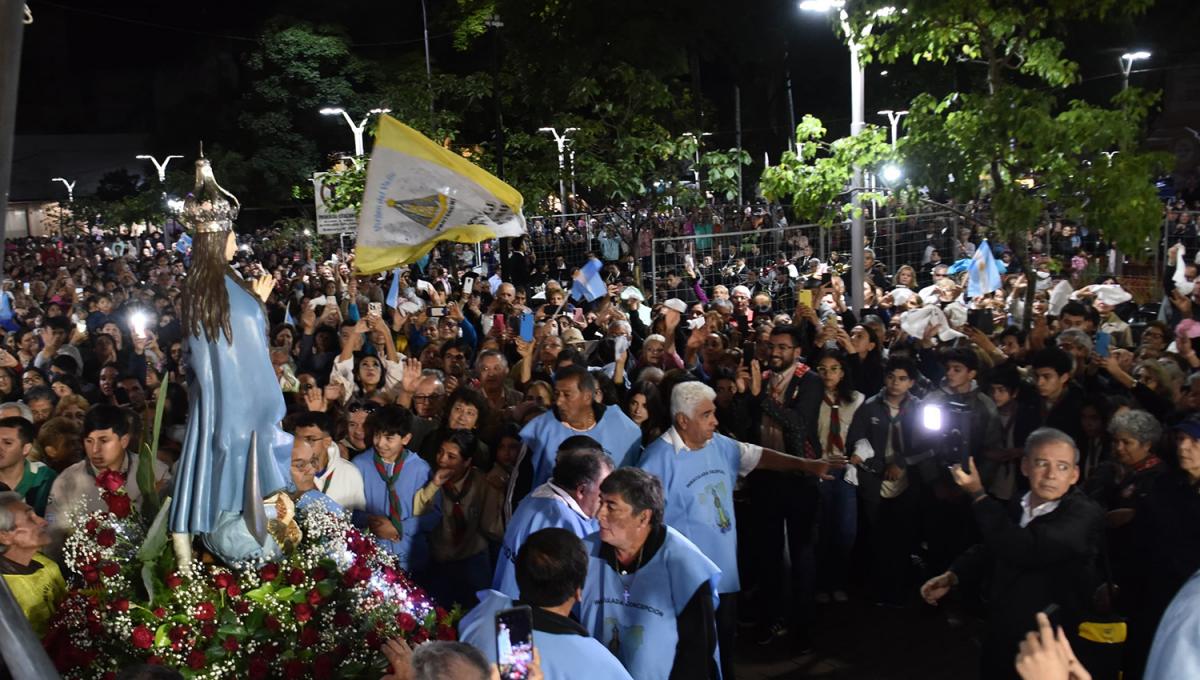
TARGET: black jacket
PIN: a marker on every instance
(1053, 560)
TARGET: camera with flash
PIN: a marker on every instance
(946, 427)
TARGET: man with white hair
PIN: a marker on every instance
(699, 467)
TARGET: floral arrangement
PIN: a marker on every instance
(322, 612)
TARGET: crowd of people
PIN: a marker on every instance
(656, 474)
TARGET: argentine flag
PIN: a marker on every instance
(588, 284)
(983, 275)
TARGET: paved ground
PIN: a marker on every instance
(858, 641)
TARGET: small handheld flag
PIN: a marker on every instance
(983, 275)
(588, 284)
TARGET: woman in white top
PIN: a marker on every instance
(361, 375)
(838, 517)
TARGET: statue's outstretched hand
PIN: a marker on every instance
(263, 286)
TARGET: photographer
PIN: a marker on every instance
(1039, 551)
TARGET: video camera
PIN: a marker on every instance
(947, 428)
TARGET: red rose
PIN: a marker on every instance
(110, 480)
(373, 640)
(268, 572)
(445, 632)
(293, 669)
(271, 623)
(172, 581)
(342, 619)
(106, 538)
(303, 612)
(230, 644)
(119, 505)
(196, 659)
(390, 575)
(91, 575)
(160, 612)
(143, 637)
(314, 597)
(223, 580)
(309, 636)
(91, 526)
(295, 577)
(121, 605)
(178, 633)
(319, 574)
(241, 607)
(441, 613)
(419, 635)
(406, 622)
(258, 668)
(323, 666)
(205, 611)
(155, 660)
(208, 630)
(111, 675)
(233, 590)
(110, 569)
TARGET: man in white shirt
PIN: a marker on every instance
(337, 477)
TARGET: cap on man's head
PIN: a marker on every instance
(677, 305)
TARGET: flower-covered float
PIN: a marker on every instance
(322, 610)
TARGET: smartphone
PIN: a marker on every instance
(983, 320)
(577, 315)
(375, 308)
(81, 326)
(437, 312)
(1103, 340)
(804, 297)
(317, 302)
(749, 353)
(26, 287)
(499, 323)
(620, 345)
(468, 286)
(697, 322)
(514, 642)
(527, 327)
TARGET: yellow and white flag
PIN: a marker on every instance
(419, 193)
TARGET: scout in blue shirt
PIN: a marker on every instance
(577, 412)
(550, 570)
(392, 475)
(568, 501)
(699, 468)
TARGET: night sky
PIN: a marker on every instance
(164, 71)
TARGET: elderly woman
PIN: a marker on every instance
(35, 580)
(650, 594)
(1135, 434)
(1166, 531)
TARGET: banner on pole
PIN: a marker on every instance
(418, 193)
(329, 222)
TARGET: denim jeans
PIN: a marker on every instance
(837, 527)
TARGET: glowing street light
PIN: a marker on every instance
(891, 173)
(70, 187)
(160, 167)
(356, 129)
(894, 118)
(561, 141)
(1127, 60)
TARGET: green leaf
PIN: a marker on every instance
(161, 635)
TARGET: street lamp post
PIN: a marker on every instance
(894, 118)
(1127, 60)
(356, 129)
(857, 97)
(561, 141)
(70, 185)
(160, 167)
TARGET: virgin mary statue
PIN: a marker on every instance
(234, 401)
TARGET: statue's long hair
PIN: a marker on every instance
(205, 300)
